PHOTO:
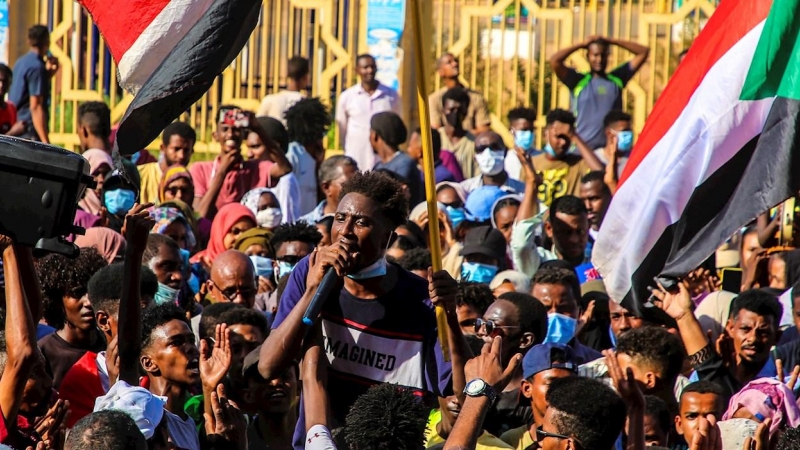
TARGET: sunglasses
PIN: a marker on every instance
(541, 435)
(491, 327)
(480, 148)
(232, 292)
(176, 189)
(291, 259)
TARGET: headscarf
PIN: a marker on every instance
(96, 160)
(422, 208)
(108, 242)
(226, 217)
(257, 236)
(462, 194)
(174, 172)
(252, 196)
(516, 197)
(766, 398)
(166, 216)
(200, 226)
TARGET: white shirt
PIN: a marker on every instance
(182, 432)
(304, 168)
(621, 160)
(276, 105)
(354, 109)
(287, 192)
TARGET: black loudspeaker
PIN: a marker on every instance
(40, 186)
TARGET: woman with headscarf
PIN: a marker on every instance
(763, 399)
(109, 243)
(265, 206)
(176, 190)
(231, 220)
(171, 222)
(100, 164)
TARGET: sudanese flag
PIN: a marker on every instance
(168, 53)
(720, 147)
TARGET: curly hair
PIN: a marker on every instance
(528, 114)
(181, 129)
(156, 316)
(298, 231)
(96, 116)
(532, 314)
(587, 410)
(63, 277)
(567, 204)
(477, 296)
(560, 115)
(212, 316)
(384, 191)
(307, 121)
(759, 302)
(789, 440)
(561, 276)
(246, 316)
(105, 430)
(105, 285)
(386, 417)
(615, 116)
(656, 348)
(415, 259)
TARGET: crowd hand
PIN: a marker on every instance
(335, 255)
(104, 221)
(726, 350)
(112, 361)
(52, 425)
(707, 436)
(255, 126)
(57, 443)
(751, 275)
(610, 150)
(585, 318)
(422, 220)
(591, 39)
(215, 361)
(228, 422)
(449, 236)
(488, 367)
(51, 65)
(230, 159)
(527, 166)
(5, 242)
(265, 285)
(676, 304)
(443, 290)
(792, 377)
(201, 295)
(761, 440)
(137, 226)
(699, 281)
(625, 383)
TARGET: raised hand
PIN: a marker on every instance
(792, 377)
(442, 289)
(51, 427)
(487, 366)
(215, 362)
(5, 242)
(137, 226)
(527, 166)
(761, 440)
(675, 304)
(625, 383)
(725, 349)
(227, 422)
(708, 436)
(585, 317)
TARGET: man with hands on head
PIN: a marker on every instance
(372, 294)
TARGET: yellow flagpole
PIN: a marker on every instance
(422, 32)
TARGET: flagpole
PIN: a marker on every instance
(421, 39)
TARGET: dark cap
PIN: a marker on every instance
(486, 241)
(540, 358)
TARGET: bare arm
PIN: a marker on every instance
(611, 178)
(766, 228)
(678, 305)
(17, 129)
(282, 165)
(39, 118)
(640, 52)
(138, 224)
(20, 330)
(206, 206)
(558, 58)
(530, 200)
(587, 154)
(315, 398)
(443, 290)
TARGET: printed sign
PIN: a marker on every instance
(385, 22)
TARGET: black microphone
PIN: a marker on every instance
(329, 282)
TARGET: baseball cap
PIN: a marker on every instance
(480, 201)
(143, 407)
(486, 241)
(521, 282)
(540, 358)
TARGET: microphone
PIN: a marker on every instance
(329, 281)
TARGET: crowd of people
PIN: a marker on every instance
(181, 324)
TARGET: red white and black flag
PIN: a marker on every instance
(168, 53)
(721, 146)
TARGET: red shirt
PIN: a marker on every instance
(22, 436)
(252, 174)
(8, 117)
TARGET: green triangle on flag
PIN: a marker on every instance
(775, 68)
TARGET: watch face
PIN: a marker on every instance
(475, 387)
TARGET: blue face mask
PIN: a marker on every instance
(165, 294)
(456, 215)
(549, 150)
(523, 139)
(284, 268)
(477, 272)
(625, 140)
(376, 269)
(263, 266)
(119, 201)
(560, 328)
(185, 257)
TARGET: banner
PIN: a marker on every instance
(385, 22)
(4, 32)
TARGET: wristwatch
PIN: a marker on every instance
(478, 387)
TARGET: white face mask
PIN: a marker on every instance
(490, 161)
(269, 218)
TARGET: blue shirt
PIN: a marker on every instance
(304, 168)
(406, 167)
(30, 78)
